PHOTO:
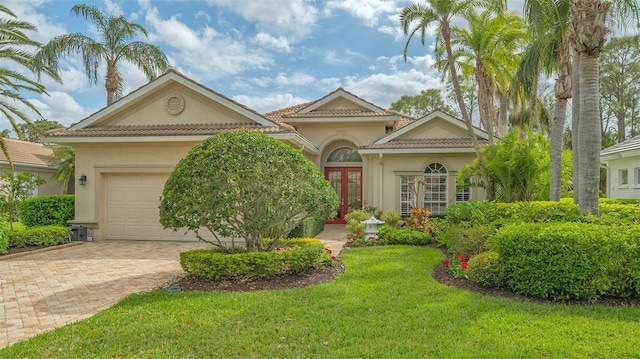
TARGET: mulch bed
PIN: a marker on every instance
(322, 274)
(440, 274)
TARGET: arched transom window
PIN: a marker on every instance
(344, 154)
(435, 188)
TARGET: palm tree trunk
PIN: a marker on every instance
(588, 19)
(557, 129)
(504, 117)
(563, 92)
(575, 121)
(589, 136)
(446, 34)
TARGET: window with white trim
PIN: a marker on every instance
(463, 195)
(406, 194)
(435, 188)
(623, 177)
(636, 176)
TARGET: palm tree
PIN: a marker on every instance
(65, 158)
(114, 33)
(489, 45)
(550, 52)
(415, 19)
(14, 49)
(588, 30)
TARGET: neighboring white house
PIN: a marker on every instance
(622, 162)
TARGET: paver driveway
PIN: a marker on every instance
(42, 291)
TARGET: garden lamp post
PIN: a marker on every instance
(371, 227)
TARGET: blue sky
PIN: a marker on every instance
(265, 54)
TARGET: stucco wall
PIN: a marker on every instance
(98, 160)
(614, 188)
(197, 109)
(382, 181)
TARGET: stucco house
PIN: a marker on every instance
(127, 150)
(622, 162)
(34, 158)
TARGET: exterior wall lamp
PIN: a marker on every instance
(83, 180)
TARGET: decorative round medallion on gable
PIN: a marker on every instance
(174, 104)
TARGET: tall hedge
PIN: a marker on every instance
(47, 210)
(566, 260)
(4, 235)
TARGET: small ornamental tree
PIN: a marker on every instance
(243, 184)
(15, 188)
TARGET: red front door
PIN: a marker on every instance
(347, 182)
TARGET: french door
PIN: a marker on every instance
(347, 182)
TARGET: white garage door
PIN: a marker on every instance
(132, 208)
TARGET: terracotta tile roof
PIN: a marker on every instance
(30, 153)
(277, 115)
(404, 120)
(203, 129)
(416, 143)
(339, 113)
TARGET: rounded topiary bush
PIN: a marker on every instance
(392, 218)
(293, 256)
(485, 269)
(353, 219)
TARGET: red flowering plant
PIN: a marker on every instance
(457, 266)
(330, 257)
(359, 240)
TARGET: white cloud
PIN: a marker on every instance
(207, 53)
(271, 102)
(265, 40)
(295, 17)
(369, 11)
(28, 11)
(61, 107)
(384, 89)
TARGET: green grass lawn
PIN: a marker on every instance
(386, 305)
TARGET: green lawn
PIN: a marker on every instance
(386, 305)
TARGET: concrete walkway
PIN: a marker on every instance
(45, 290)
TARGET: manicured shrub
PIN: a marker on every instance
(308, 228)
(465, 239)
(625, 274)
(44, 236)
(418, 220)
(617, 213)
(295, 256)
(47, 210)
(4, 234)
(392, 218)
(559, 260)
(354, 218)
(485, 269)
(244, 184)
(392, 235)
(477, 212)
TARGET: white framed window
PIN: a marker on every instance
(623, 177)
(435, 188)
(463, 195)
(636, 176)
(406, 194)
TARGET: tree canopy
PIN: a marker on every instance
(243, 184)
(114, 34)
